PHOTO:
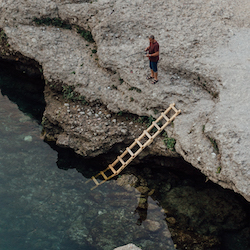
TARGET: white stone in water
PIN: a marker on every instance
(128, 247)
(28, 138)
(24, 119)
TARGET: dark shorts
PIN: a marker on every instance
(153, 66)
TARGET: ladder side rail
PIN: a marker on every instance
(160, 117)
(173, 107)
(166, 124)
(97, 175)
(100, 183)
(169, 108)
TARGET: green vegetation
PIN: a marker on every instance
(57, 22)
(136, 89)
(218, 170)
(131, 99)
(156, 111)
(94, 51)
(85, 34)
(215, 146)
(120, 79)
(69, 94)
(203, 128)
(145, 120)
(114, 87)
(170, 143)
(3, 36)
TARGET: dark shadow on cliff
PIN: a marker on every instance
(23, 86)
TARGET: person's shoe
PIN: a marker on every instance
(154, 82)
(149, 77)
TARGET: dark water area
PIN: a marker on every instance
(45, 203)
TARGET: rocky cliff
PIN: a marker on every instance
(91, 57)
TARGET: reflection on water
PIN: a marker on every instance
(45, 207)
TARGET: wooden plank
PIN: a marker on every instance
(121, 160)
(156, 125)
(147, 134)
(138, 142)
(130, 152)
(165, 117)
(112, 169)
(95, 181)
(104, 175)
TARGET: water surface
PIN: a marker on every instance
(44, 207)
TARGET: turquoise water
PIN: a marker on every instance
(45, 203)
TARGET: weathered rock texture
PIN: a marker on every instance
(204, 65)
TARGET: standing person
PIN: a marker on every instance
(153, 56)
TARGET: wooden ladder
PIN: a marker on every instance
(144, 140)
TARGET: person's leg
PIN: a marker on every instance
(156, 76)
(155, 71)
(151, 68)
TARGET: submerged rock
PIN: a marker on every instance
(128, 247)
(28, 138)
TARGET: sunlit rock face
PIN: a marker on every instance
(203, 68)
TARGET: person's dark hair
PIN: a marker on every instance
(151, 37)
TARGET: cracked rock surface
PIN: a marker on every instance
(203, 68)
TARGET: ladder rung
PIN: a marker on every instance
(130, 152)
(156, 125)
(138, 142)
(121, 160)
(95, 181)
(165, 117)
(147, 134)
(112, 169)
(104, 175)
